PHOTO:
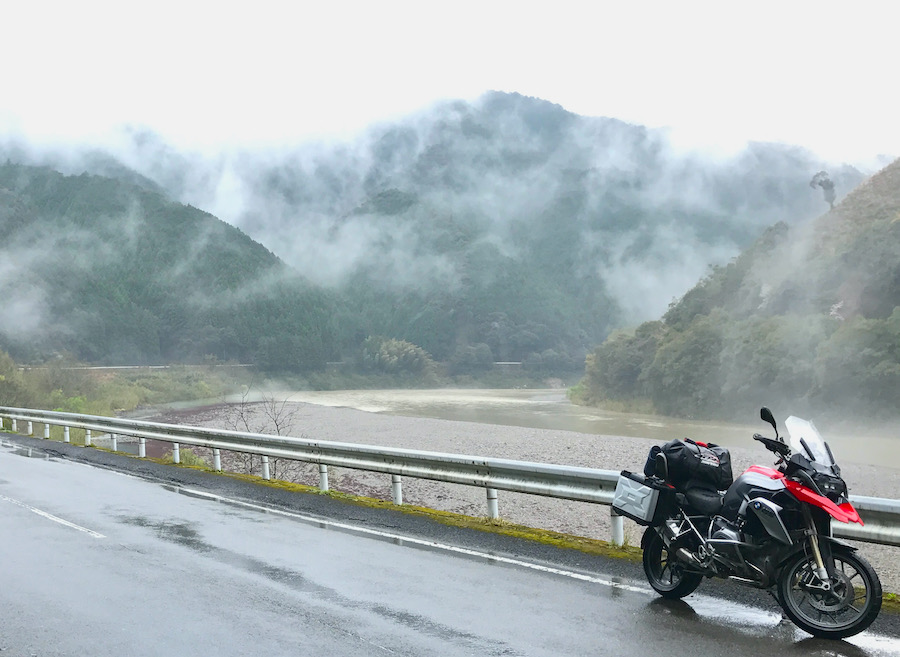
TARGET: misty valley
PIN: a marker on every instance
(505, 242)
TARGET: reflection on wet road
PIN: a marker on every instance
(180, 574)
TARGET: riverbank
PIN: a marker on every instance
(607, 452)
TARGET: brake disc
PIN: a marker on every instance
(838, 598)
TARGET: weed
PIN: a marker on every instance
(186, 457)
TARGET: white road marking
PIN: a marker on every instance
(50, 516)
(714, 607)
(732, 612)
(416, 541)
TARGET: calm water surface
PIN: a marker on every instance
(550, 409)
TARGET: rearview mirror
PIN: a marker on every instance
(766, 416)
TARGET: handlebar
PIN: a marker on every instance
(780, 448)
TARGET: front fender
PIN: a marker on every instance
(843, 513)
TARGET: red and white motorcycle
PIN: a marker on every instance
(771, 528)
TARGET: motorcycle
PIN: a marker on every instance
(770, 529)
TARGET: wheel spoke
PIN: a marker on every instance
(844, 610)
(662, 573)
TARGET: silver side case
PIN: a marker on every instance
(635, 500)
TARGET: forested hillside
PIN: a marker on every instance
(115, 274)
(507, 229)
(809, 314)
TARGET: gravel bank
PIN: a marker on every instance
(526, 444)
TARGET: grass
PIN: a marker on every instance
(890, 601)
(485, 524)
(186, 457)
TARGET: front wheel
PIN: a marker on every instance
(847, 608)
(664, 572)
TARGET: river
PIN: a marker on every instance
(550, 409)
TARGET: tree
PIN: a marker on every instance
(859, 365)
(684, 377)
(12, 389)
(268, 415)
(471, 359)
(393, 356)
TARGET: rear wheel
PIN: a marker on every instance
(664, 572)
(850, 604)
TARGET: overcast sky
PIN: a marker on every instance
(203, 74)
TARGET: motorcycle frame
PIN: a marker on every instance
(817, 539)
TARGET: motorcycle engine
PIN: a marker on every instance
(723, 530)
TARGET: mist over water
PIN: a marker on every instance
(507, 223)
(646, 218)
(550, 409)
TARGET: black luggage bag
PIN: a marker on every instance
(697, 464)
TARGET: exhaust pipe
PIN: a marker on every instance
(689, 557)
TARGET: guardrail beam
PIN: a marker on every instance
(882, 516)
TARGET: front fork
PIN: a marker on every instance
(824, 569)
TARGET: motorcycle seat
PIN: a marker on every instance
(704, 500)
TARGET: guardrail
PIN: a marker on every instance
(882, 516)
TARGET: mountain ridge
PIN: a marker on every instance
(112, 272)
(809, 312)
(508, 225)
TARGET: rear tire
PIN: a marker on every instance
(848, 609)
(663, 570)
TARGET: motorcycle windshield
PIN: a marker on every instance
(798, 429)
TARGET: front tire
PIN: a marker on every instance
(848, 609)
(663, 570)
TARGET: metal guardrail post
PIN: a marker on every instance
(176, 453)
(46, 431)
(397, 489)
(492, 504)
(265, 468)
(66, 435)
(217, 459)
(87, 437)
(323, 476)
(114, 442)
(618, 528)
(15, 428)
(881, 515)
(142, 447)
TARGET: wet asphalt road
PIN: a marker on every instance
(150, 562)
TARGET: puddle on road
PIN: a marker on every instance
(176, 532)
(186, 535)
(710, 615)
(23, 450)
(31, 453)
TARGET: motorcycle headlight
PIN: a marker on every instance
(833, 488)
